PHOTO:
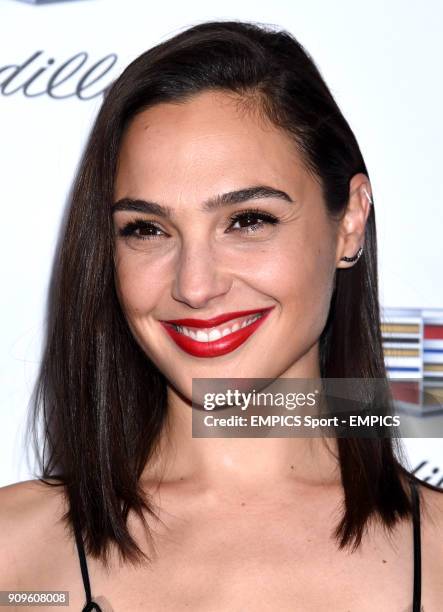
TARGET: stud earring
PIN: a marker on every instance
(355, 258)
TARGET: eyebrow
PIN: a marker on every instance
(214, 203)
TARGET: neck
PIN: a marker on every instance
(247, 464)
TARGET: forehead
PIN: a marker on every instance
(208, 143)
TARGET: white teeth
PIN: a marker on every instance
(202, 336)
(214, 334)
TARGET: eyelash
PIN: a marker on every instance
(130, 228)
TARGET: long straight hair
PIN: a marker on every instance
(99, 402)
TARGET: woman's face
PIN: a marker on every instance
(187, 249)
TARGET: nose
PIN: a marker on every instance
(200, 275)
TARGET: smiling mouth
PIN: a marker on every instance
(215, 333)
(215, 340)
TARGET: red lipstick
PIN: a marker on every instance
(222, 345)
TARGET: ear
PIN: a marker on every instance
(351, 231)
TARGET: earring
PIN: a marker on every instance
(360, 250)
(355, 258)
(368, 196)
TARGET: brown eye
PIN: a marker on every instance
(141, 230)
(250, 221)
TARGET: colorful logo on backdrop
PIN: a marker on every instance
(413, 352)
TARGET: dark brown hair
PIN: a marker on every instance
(99, 402)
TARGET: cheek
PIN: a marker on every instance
(297, 267)
(300, 277)
(138, 283)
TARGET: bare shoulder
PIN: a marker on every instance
(432, 546)
(24, 504)
(30, 522)
(432, 511)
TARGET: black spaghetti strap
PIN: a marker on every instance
(90, 604)
(416, 605)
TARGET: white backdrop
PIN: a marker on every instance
(382, 61)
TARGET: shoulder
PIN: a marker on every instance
(30, 514)
(432, 545)
(23, 502)
(431, 501)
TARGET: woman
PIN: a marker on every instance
(220, 181)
